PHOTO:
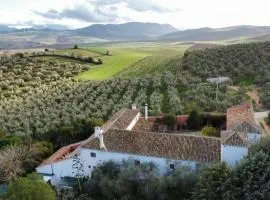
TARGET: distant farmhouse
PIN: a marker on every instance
(128, 135)
(219, 80)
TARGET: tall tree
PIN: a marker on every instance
(215, 183)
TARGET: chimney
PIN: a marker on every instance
(134, 107)
(98, 131)
(99, 135)
(146, 111)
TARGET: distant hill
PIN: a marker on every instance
(6, 29)
(261, 38)
(127, 31)
(210, 34)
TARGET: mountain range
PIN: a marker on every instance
(210, 34)
(46, 35)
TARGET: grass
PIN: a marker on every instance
(161, 61)
(120, 59)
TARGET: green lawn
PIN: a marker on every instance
(120, 59)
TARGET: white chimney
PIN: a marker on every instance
(146, 111)
(134, 107)
(99, 135)
(98, 131)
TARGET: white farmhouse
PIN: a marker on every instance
(129, 136)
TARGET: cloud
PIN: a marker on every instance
(79, 12)
(137, 5)
(50, 14)
(100, 11)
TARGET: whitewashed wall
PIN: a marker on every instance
(64, 168)
(163, 164)
(60, 169)
(232, 154)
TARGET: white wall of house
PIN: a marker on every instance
(64, 168)
(134, 121)
(61, 168)
(232, 154)
(163, 164)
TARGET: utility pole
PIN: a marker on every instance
(217, 88)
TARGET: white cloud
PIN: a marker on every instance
(180, 13)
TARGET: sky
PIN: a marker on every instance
(181, 14)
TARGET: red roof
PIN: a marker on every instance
(239, 114)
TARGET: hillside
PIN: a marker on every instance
(244, 63)
(210, 34)
(128, 31)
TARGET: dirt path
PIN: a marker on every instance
(253, 94)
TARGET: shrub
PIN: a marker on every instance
(214, 183)
(100, 61)
(30, 188)
(210, 131)
(90, 59)
(6, 141)
(20, 55)
(169, 120)
(75, 46)
(194, 120)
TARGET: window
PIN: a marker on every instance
(171, 166)
(137, 162)
(93, 154)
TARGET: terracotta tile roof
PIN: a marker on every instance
(143, 125)
(172, 146)
(61, 154)
(120, 120)
(234, 138)
(249, 127)
(239, 114)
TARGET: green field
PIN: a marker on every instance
(165, 60)
(121, 58)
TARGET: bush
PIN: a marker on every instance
(253, 177)
(214, 183)
(13, 140)
(210, 131)
(100, 61)
(263, 145)
(194, 120)
(90, 59)
(20, 55)
(75, 46)
(30, 188)
(169, 120)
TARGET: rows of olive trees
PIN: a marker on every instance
(246, 63)
(19, 75)
(66, 101)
